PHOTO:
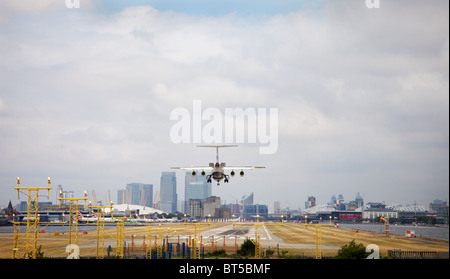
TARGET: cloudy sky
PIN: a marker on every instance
(362, 94)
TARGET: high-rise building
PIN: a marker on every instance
(121, 196)
(169, 192)
(333, 200)
(276, 209)
(195, 208)
(137, 193)
(246, 200)
(254, 210)
(196, 187)
(210, 205)
(311, 202)
(359, 201)
(441, 209)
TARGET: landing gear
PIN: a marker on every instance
(226, 179)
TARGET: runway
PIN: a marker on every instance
(268, 238)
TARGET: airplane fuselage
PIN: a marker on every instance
(218, 175)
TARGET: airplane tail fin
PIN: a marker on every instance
(217, 148)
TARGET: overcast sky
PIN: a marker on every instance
(362, 95)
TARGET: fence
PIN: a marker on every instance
(175, 247)
(414, 254)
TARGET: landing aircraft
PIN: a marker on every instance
(217, 169)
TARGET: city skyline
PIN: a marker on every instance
(141, 193)
(86, 95)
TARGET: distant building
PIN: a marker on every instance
(137, 194)
(332, 200)
(359, 201)
(339, 215)
(246, 200)
(180, 205)
(223, 212)
(276, 209)
(234, 209)
(196, 187)
(23, 206)
(377, 210)
(66, 195)
(252, 210)
(311, 202)
(210, 205)
(169, 192)
(441, 209)
(196, 208)
(121, 196)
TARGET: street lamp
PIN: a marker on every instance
(18, 185)
(48, 189)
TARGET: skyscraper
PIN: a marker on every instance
(196, 187)
(311, 202)
(246, 200)
(276, 209)
(359, 200)
(121, 196)
(137, 193)
(169, 192)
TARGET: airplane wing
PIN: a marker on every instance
(224, 168)
(193, 168)
(242, 168)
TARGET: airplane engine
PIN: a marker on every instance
(232, 173)
(203, 173)
(241, 173)
(193, 173)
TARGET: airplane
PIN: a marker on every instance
(94, 218)
(238, 219)
(163, 220)
(144, 220)
(217, 169)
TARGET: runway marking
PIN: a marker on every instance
(267, 232)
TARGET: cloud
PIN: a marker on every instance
(28, 6)
(362, 96)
